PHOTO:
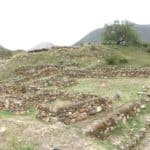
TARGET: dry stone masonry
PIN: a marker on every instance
(13, 104)
(73, 113)
(102, 129)
(104, 72)
(98, 72)
(54, 81)
(78, 97)
(15, 89)
(36, 71)
(20, 102)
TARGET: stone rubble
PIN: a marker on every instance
(110, 72)
(102, 129)
(74, 112)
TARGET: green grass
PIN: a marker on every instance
(128, 87)
(31, 110)
(137, 56)
(108, 145)
(83, 57)
(5, 113)
(132, 126)
(22, 146)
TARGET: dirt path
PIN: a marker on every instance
(24, 130)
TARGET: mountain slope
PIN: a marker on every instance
(4, 51)
(95, 36)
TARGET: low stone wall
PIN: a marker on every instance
(2, 105)
(24, 100)
(54, 81)
(99, 72)
(78, 97)
(103, 128)
(11, 89)
(36, 71)
(107, 72)
(42, 97)
(13, 104)
(15, 89)
(73, 113)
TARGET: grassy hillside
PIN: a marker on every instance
(24, 130)
(96, 35)
(82, 57)
(4, 52)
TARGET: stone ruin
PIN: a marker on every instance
(102, 129)
(104, 72)
(56, 81)
(13, 104)
(16, 88)
(36, 71)
(76, 72)
(42, 97)
(73, 112)
(20, 102)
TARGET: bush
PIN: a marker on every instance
(92, 47)
(148, 47)
(123, 61)
(115, 60)
(111, 60)
(145, 44)
(148, 50)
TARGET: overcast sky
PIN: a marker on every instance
(25, 23)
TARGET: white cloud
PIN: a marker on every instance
(25, 23)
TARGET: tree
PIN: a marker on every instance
(120, 33)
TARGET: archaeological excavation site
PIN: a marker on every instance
(75, 98)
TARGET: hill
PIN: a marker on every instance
(95, 36)
(4, 52)
(83, 57)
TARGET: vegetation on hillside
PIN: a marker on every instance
(121, 33)
(95, 36)
(82, 57)
(4, 52)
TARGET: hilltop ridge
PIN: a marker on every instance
(95, 36)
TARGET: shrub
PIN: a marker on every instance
(123, 61)
(112, 60)
(145, 44)
(115, 60)
(92, 47)
(148, 50)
